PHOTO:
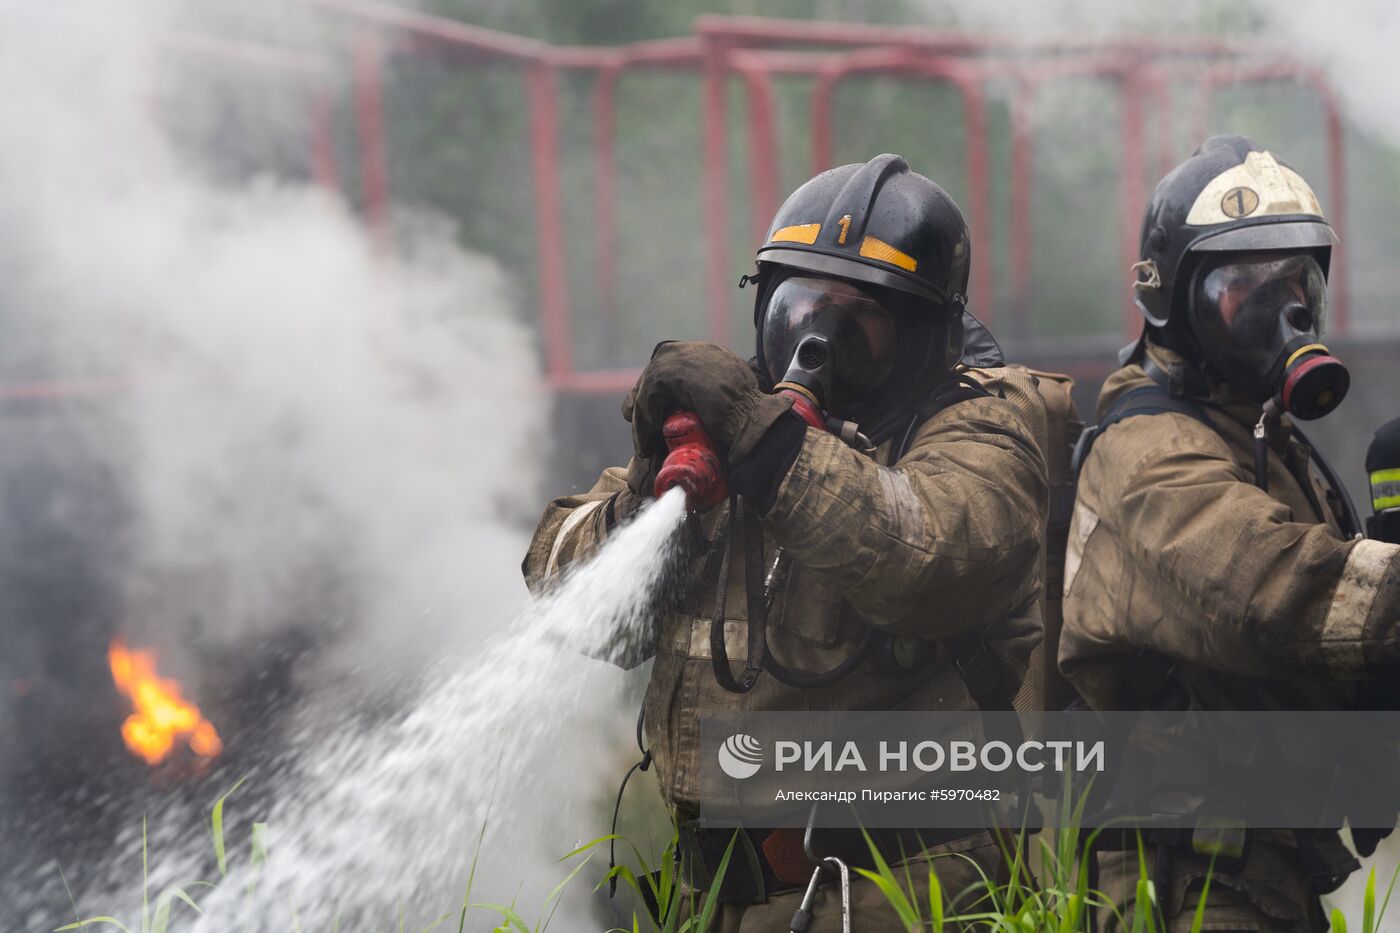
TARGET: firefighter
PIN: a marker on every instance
(914, 534)
(1214, 560)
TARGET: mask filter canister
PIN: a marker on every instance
(1314, 382)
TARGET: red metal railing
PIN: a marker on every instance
(753, 51)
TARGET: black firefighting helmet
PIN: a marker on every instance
(1235, 254)
(1230, 196)
(897, 238)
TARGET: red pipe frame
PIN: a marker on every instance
(724, 46)
(743, 46)
(962, 75)
(368, 63)
(549, 220)
(716, 186)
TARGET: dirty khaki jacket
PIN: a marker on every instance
(947, 541)
(1256, 597)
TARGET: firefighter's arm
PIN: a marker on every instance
(945, 542)
(1256, 592)
(574, 527)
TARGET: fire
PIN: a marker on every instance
(162, 715)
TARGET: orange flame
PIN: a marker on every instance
(162, 714)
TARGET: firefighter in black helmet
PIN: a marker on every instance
(835, 228)
(1214, 560)
(885, 476)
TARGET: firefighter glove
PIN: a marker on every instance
(709, 380)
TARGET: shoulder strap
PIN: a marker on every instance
(1350, 519)
(719, 656)
(960, 387)
(984, 676)
(1146, 400)
(1156, 399)
(980, 670)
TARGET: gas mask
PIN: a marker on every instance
(1257, 318)
(830, 337)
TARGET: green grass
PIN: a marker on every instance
(1045, 889)
(157, 914)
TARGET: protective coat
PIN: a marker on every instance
(1187, 585)
(944, 542)
(1256, 595)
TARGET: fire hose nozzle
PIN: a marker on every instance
(693, 463)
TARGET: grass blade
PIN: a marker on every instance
(110, 921)
(556, 895)
(217, 826)
(935, 900)
(1199, 919)
(707, 910)
(1385, 901)
(884, 879)
(1368, 904)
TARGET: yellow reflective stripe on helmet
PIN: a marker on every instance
(1385, 489)
(871, 248)
(797, 233)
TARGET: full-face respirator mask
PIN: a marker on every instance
(830, 339)
(1258, 319)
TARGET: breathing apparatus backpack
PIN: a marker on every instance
(1045, 688)
(986, 675)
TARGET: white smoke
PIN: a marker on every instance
(1351, 41)
(310, 431)
(1354, 43)
(390, 816)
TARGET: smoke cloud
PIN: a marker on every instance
(290, 433)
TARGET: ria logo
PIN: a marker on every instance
(741, 756)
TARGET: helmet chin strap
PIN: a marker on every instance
(1179, 379)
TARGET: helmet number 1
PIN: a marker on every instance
(1239, 202)
(845, 223)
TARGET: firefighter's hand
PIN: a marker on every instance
(709, 380)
